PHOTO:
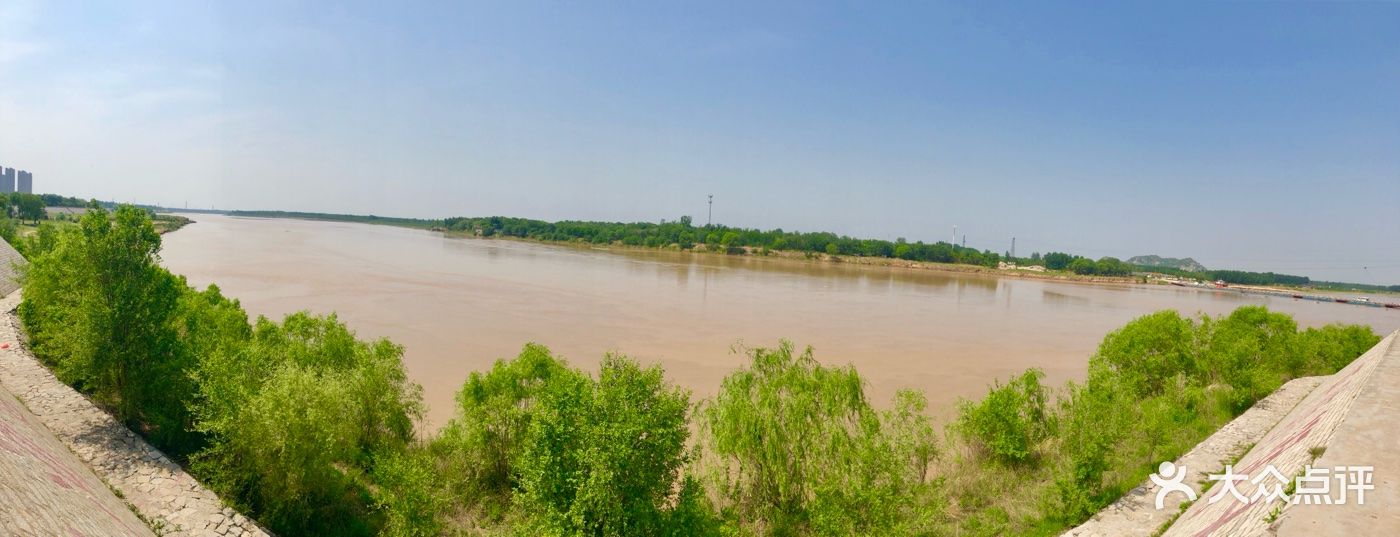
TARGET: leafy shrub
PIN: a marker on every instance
(1146, 353)
(1010, 421)
(799, 448)
(1332, 347)
(605, 457)
(295, 417)
(1162, 383)
(101, 311)
(495, 409)
(408, 495)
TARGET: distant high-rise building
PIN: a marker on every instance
(26, 183)
(7, 180)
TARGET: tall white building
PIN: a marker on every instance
(26, 183)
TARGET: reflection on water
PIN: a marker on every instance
(1059, 299)
(459, 304)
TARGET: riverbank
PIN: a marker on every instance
(46, 490)
(166, 497)
(163, 222)
(838, 248)
(458, 305)
(169, 223)
(805, 257)
(701, 248)
(1331, 421)
(993, 476)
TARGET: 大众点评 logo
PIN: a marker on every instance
(1313, 486)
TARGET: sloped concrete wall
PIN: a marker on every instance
(1310, 426)
(10, 263)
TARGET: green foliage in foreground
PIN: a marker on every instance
(296, 415)
(1010, 421)
(311, 430)
(800, 450)
(286, 420)
(1156, 387)
(604, 457)
(101, 310)
(574, 455)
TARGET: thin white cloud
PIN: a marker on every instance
(17, 19)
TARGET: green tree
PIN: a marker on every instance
(1011, 421)
(1146, 354)
(9, 231)
(296, 418)
(44, 239)
(1058, 260)
(31, 207)
(495, 409)
(99, 308)
(408, 495)
(605, 457)
(1082, 266)
(799, 448)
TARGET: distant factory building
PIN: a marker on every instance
(26, 183)
(7, 180)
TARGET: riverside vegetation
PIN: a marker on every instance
(311, 430)
(682, 234)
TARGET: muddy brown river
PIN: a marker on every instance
(458, 304)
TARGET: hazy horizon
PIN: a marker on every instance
(1256, 136)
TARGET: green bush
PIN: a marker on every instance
(1332, 347)
(605, 457)
(296, 417)
(1162, 383)
(312, 430)
(555, 452)
(409, 495)
(482, 443)
(1146, 353)
(1010, 421)
(800, 449)
(101, 311)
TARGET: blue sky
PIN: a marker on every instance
(1250, 135)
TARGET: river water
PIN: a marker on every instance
(458, 304)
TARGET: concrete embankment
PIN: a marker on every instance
(1136, 515)
(1370, 436)
(1331, 416)
(1350, 419)
(46, 490)
(88, 441)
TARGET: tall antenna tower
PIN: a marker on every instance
(955, 234)
(710, 215)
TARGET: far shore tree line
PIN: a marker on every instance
(685, 235)
(312, 431)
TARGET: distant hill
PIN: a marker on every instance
(1168, 262)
